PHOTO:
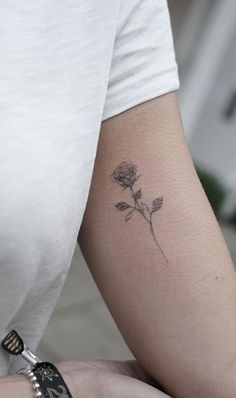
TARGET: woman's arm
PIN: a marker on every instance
(15, 386)
(91, 380)
(173, 298)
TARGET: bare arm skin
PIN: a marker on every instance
(15, 386)
(174, 299)
(92, 379)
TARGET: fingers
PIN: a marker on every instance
(96, 378)
(129, 368)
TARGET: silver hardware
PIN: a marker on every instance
(29, 356)
(27, 371)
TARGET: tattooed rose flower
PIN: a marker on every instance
(125, 174)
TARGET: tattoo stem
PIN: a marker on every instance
(138, 208)
(156, 241)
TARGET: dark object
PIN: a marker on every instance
(48, 376)
(232, 219)
(213, 189)
(51, 381)
(13, 343)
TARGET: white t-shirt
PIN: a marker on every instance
(65, 66)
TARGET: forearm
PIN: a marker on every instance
(19, 386)
(15, 386)
(110, 379)
(177, 316)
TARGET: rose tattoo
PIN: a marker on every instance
(126, 175)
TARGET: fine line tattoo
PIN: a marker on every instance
(126, 175)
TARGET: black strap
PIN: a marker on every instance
(51, 381)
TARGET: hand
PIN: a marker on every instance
(103, 379)
(15, 386)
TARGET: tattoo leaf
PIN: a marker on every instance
(138, 194)
(122, 205)
(128, 216)
(157, 204)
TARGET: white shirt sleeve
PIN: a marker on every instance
(143, 62)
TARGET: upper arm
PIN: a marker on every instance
(160, 306)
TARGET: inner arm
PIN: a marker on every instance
(170, 285)
(157, 253)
